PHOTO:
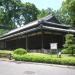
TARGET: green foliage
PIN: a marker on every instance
(68, 7)
(61, 17)
(42, 14)
(20, 51)
(7, 7)
(44, 58)
(29, 12)
(14, 13)
(70, 43)
(2, 31)
(45, 12)
(65, 51)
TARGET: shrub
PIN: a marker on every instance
(65, 51)
(44, 58)
(69, 43)
(20, 51)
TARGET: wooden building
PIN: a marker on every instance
(36, 35)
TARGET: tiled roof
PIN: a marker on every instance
(37, 23)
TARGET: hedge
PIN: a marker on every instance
(44, 58)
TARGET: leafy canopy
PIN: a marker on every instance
(14, 13)
(68, 8)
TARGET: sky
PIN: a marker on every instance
(44, 4)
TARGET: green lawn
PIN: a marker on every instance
(5, 51)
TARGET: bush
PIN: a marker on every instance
(44, 58)
(69, 43)
(20, 51)
(65, 51)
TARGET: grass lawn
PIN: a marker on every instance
(5, 53)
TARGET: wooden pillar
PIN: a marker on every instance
(4, 44)
(42, 38)
(26, 42)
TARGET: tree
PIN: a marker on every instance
(29, 12)
(15, 13)
(8, 7)
(61, 17)
(70, 43)
(57, 13)
(68, 8)
(43, 13)
(3, 31)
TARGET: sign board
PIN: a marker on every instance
(53, 45)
